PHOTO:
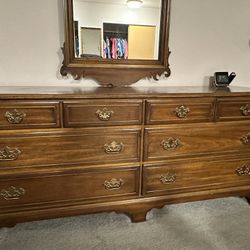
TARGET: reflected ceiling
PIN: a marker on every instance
(146, 3)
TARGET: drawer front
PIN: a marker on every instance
(193, 140)
(102, 113)
(189, 175)
(70, 187)
(29, 114)
(180, 110)
(71, 146)
(233, 109)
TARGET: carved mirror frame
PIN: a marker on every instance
(115, 72)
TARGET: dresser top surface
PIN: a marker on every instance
(44, 92)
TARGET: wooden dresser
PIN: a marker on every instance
(70, 151)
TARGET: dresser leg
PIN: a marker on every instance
(248, 199)
(138, 216)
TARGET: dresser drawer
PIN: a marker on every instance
(70, 187)
(233, 109)
(102, 113)
(29, 114)
(69, 146)
(194, 140)
(191, 175)
(180, 110)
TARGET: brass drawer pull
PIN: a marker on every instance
(182, 111)
(104, 114)
(245, 139)
(245, 110)
(168, 179)
(171, 143)
(245, 170)
(113, 184)
(12, 193)
(113, 147)
(9, 154)
(15, 116)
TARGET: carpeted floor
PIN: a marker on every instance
(222, 224)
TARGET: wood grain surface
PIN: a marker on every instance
(62, 159)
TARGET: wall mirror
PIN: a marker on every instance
(116, 42)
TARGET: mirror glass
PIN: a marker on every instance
(117, 29)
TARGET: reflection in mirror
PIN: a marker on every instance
(111, 29)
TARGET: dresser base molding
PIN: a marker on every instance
(136, 209)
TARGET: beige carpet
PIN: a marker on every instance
(214, 224)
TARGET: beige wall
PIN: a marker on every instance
(205, 36)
